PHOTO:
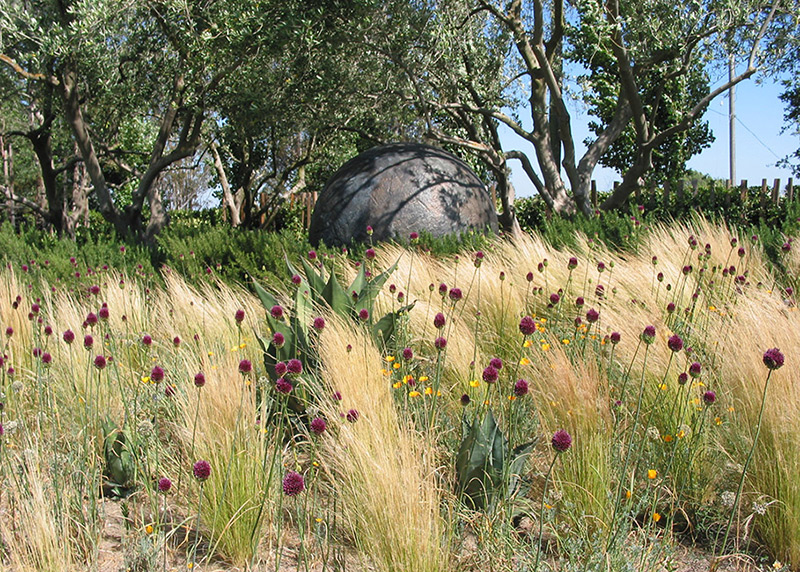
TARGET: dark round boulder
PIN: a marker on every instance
(398, 189)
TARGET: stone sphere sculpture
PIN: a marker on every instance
(398, 189)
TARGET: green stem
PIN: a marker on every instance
(541, 514)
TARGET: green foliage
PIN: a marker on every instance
(119, 463)
(485, 467)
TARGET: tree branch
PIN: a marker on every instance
(26, 74)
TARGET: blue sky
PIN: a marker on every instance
(759, 141)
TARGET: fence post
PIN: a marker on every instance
(744, 191)
(762, 200)
(790, 189)
(776, 191)
(593, 194)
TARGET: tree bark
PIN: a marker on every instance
(227, 196)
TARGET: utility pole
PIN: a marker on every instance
(732, 119)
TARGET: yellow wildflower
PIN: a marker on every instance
(423, 378)
(565, 341)
(628, 494)
(397, 384)
(428, 390)
(524, 361)
(527, 343)
(414, 393)
(545, 347)
(656, 517)
(389, 358)
(149, 529)
(668, 438)
(145, 379)
(474, 383)
(396, 365)
(652, 474)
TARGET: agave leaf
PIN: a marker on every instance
(479, 463)
(370, 289)
(267, 299)
(335, 296)
(119, 462)
(316, 279)
(519, 456)
(383, 329)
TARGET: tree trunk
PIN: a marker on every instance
(8, 176)
(227, 196)
(69, 93)
(159, 218)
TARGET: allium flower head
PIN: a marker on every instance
(88, 341)
(318, 426)
(561, 441)
(276, 312)
(675, 343)
(573, 263)
(695, 369)
(579, 301)
(554, 298)
(773, 358)
(201, 470)
(683, 377)
(296, 279)
(157, 374)
(147, 340)
(408, 354)
(293, 484)
(278, 339)
(69, 336)
(363, 314)
(527, 326)
(465, 399)
(294, 366)
(592, 315)
(496, 363)
(521, 388)
(442, 289)
(455, 294)
(176, 341)
(440, 343)
(245, 366)
(490, 374)
(352, 415)
(319, 323)
(282, 385)
(439, 321)
(239, 316)
(648, 334)
(615, 337)
(91, 318)
(46, 358)
(164, 484)
(413, 236)
(709, 397)
(103, 313)
(199, 379)
(100, 362)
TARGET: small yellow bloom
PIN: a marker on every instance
(545, 347)
(242, 345)
(474, 383)
(397, 384)
(543, 320)
(527, 344)
(718, 420)
(656, 517)
(628, 494)
(423, 378)
(652, 474)
(210, 354)
(190, 565)
(681, 434)
(512, 397)
(524, 361)
(145, 379)
(389, 358)
(408, 377)
(385, 372)
(318, 520)
(396, 365)
(148, 529)
(731, 409)
(663, 387)
(712, 308)
(548, 506)
(428, 391)
(414, 393)
(565, 341)
(668, 438)
(234, 349)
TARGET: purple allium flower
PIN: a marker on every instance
(283, 385)
(239, 316)
(363, 314)
(670, 307)
(554, 298)
(91, 318)
(683, 378)
(46, 358)
(88, 341)
(293, 484)
(312, 254)
(660, 276)
(521, 388)
(294, 366)
(281, 369)
(741, 252)
(773, 358)
(408, 353)
(496, 363)
(245, 366)
(157, 374)
(440, 343)
(201, 470)
(369, 230)
(709, 397)
(48, 330)
(35, 308)
(95, 289)
(296, 279)
(276, 312)
(337, 396)
(318, 426)
(103, 313)
(601, 266)
(529, 277)
(369, 254)
(786, 247)
(694, 369)
(592, 315)
(439, 321)
(615, 337)
(100, 362)
(278, 340)
(527, 326)
(455, 294)
(648, 334)
(675, 343)
(687, 270)
(442, 289)
(465, 400)
(573, 263)
(352, 415)
(319, 323)
(490, 374)
(579, 301)
(176, 341)
(164, 484)
(37, 352)
(147, 340)
(199, 379)
(561, 441)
